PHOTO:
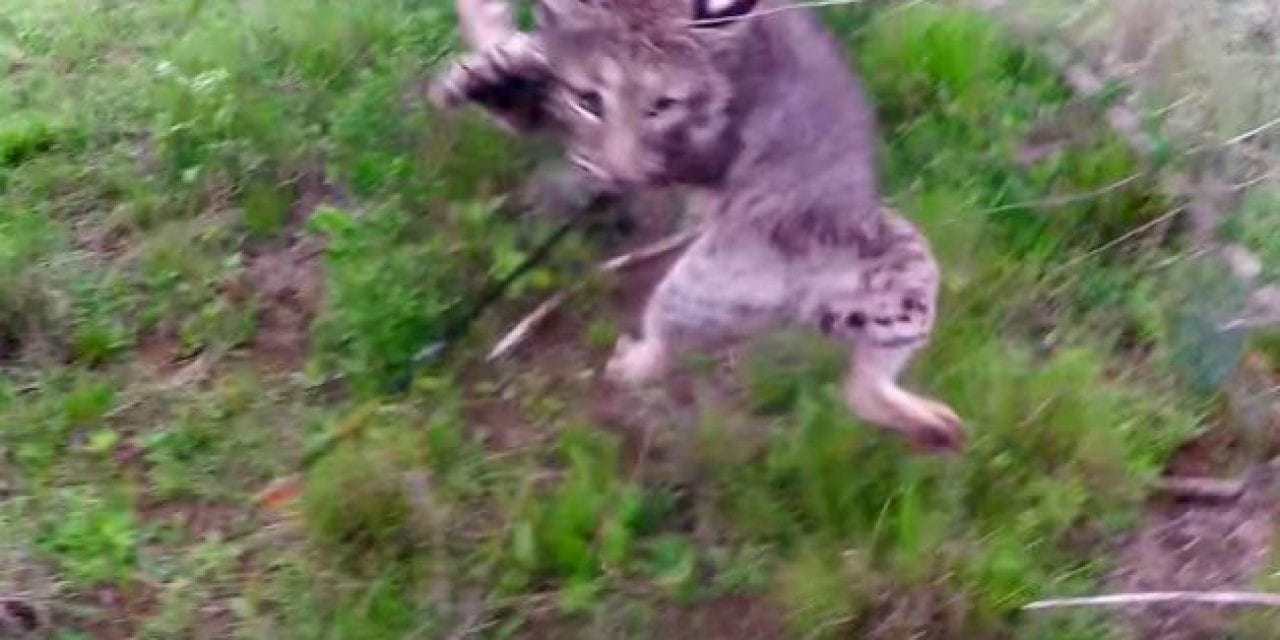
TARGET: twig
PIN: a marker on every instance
(1201, 488)
(456, 329)
(196, 371)
(1172, 106)
(1251, 182)
(522, 329)
(520, 332)
(1121, 239)
(1251, 133)
(1063, 200)
(650, 251)
(1246, 323)
(1156, 597)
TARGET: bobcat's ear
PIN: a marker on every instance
(559, 13)
(715, 13)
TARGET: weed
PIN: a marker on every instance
(92, 536)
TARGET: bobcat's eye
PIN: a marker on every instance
(591, 102)
(662, 105)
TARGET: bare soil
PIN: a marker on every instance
(1208, 545)
(1200, 546)
(285, 280)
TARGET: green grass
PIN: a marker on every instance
(150, 150)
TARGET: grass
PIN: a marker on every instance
(1206, 70)
(151, 152)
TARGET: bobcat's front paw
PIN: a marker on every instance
(490, 77)
(635, 362)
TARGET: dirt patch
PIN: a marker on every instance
(288, 289)
(99, 238)
(1207, 545)
(501, 425)
(557, 361)
(159, 351)
(557, 350)
(283, 276)
(10, 346)
(108, 612)
(1198, 547)
(730, 618)
(198, 519)
(651, 424)
(737, 617)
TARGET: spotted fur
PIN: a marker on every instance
(759, 119)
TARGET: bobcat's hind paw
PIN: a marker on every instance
(929, 425)
(635, 362)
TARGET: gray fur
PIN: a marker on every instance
(762, 123)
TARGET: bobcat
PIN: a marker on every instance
(749, 108)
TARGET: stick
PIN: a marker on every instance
(1237, 139)
(521, 331)
(649, 251)
(1201, 488)
(1157, 597)
(456, 329)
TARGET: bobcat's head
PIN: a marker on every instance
(643, 88)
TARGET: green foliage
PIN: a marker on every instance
(934, 73)
(92, 536)
(1052, 444)
(396, 283)
(358, 500)
(388, 297)
(1257, 226)
(23, 135)
(26, 310)
(589, 524)
(150, 150)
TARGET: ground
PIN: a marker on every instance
(231, 234)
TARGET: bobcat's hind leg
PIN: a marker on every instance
(873, 393)
(886, 312)
(636, 361)
(709, 298)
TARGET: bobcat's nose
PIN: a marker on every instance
(607, 176)
(625, 158)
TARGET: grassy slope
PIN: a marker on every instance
(149, 150)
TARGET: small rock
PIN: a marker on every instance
(1244, 264)
(1264, 305)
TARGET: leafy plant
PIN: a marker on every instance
(92, 536)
